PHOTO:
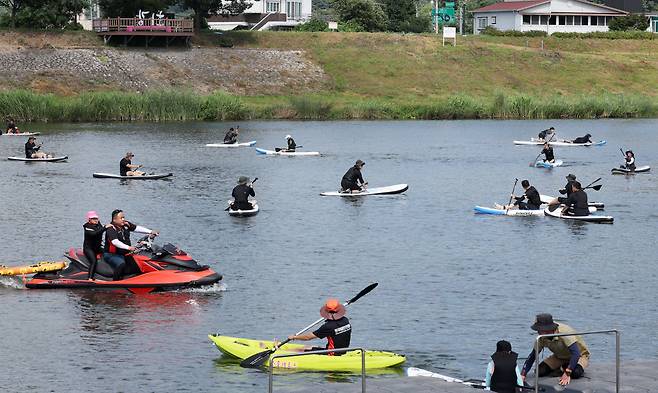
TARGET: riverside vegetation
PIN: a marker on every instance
(393, 76)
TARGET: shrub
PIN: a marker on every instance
(610, 35)
(629, 23)
(490, 30)
(313, 25)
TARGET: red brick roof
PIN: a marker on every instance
(511, 6)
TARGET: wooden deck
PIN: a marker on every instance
(149, 29)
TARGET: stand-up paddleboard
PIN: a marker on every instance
(394, 189)
(143, 177)
(549, 165)
(591, 218)
(286, 153)
(244, 213)
(52, 159)
(624, 171)
(40, 267)
(534, 142)
(244, 144)
(549, 199)
(419, 372)
(514, 212)
(23, 134)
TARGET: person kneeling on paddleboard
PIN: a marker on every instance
(336, 328)
(548, 153)
(630, 160)
(117, 242)
(241, 194)
(127, 168)
(231, 136)
(352, 179)
(503, 375)
(546, 134)
(582, 139)
(570, 355)
(32, 149)
(93, 243)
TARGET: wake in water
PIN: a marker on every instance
(217, 287)
(12, 282)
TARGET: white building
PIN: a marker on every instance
(551, 16)
(265, 14)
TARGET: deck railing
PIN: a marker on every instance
(136, 24)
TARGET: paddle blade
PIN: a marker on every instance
(364, 292)
(257, 360)
(553, 208)
(597, 187)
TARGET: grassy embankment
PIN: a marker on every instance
(387, 76)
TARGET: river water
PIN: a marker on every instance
(451, 283)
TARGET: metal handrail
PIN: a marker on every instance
(617, 350)
(320, 352)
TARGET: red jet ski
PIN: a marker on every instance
(150, 268)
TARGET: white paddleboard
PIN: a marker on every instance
(287, 153)
(244, 144)
(624, 171)
(557, 213)
(564, 143)
(23, 134)
(549, 165)
(244, 213)
(394, 189)
(53, 159)
(143, 177)
(549, 199)
(419, 372)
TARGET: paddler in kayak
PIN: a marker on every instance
(531, 195)
(241, 194)
(127, 168)
(336, 328)
(570, 355)
(93, 241)
(32, 149)
(583, 139)
(547, 134)
(117, 242)
(352, 179)
(503, 375)
(630, 160)
(548, 153)
(231, 136)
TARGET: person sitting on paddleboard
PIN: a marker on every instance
(630, 160)
(241, 194)
(127, 168)
(11, 126)
(576, 204)
(32, 149)
(548, 153)
(503, 375)
(117, 242)
(336, 328)
(352, 179)
(93, 243)
(231, 136)
(582, 139)
(546, 134)
(568, 189)
(531, 194)
(570, 355)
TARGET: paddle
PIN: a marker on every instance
(278, 149)
(252, 183)
(536, 158)
(516, 180)
(257, 360)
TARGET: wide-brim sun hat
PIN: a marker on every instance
(544, 322)
(91, 214)
(243, 180)
(288, 136)
(332, 310)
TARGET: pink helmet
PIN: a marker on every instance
(91, 214)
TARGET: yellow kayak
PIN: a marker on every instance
(242, 348)
(40, 267)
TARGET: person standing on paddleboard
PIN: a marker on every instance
(241, 194)
(127, 168)
(548, 153)
(93, 241)
(352, 179)
(117, 242)
(546, 134)
(570, 355)
(503, 375)
(231, 136)
(336, 328)
(630, 160)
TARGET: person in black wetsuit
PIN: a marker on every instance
(531, 194)
(503, 374)
(568, 189)
(241, 194)
(630, 160)
(576, 203)
(231, 136)
(291, 144)
(117, 242)
(32, 149)
(336, 328)
(582, 139)
(127, 168)
(93, 243)
(11, 126)
(546, 134)
(352, 179)
(548, 153)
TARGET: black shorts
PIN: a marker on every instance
(347, 185)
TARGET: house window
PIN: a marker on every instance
(592, 21)
(601, 20)
(569, 20)
(273, 6)
(482, 23)
(535, 19)
(294, 9)
(585, 20)
(576, 20)
(493, 20)
(526, 19)
(544, 19)
(552, 20)
(608, 19)
(563, 20)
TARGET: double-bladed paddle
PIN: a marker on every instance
(229, 206)
(536, 158)
(259, 359)
(597, 187)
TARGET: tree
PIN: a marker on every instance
(14, 6)
(629, 22)
(365, 13)
(399, 13)
(45, 14)
(130, 8)
(204, 8)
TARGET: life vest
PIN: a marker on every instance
(503, 379)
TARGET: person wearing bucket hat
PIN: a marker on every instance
(93, 240)
(583, 139)
(352, 179)
(630, 160)
(567, 190)
(336, 328)
(503, 375)
(570, 355)
(127, 168)
(241, 194)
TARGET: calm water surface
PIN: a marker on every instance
(451, 283)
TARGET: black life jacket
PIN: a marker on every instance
(503, 379)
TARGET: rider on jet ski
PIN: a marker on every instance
(117, 242)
